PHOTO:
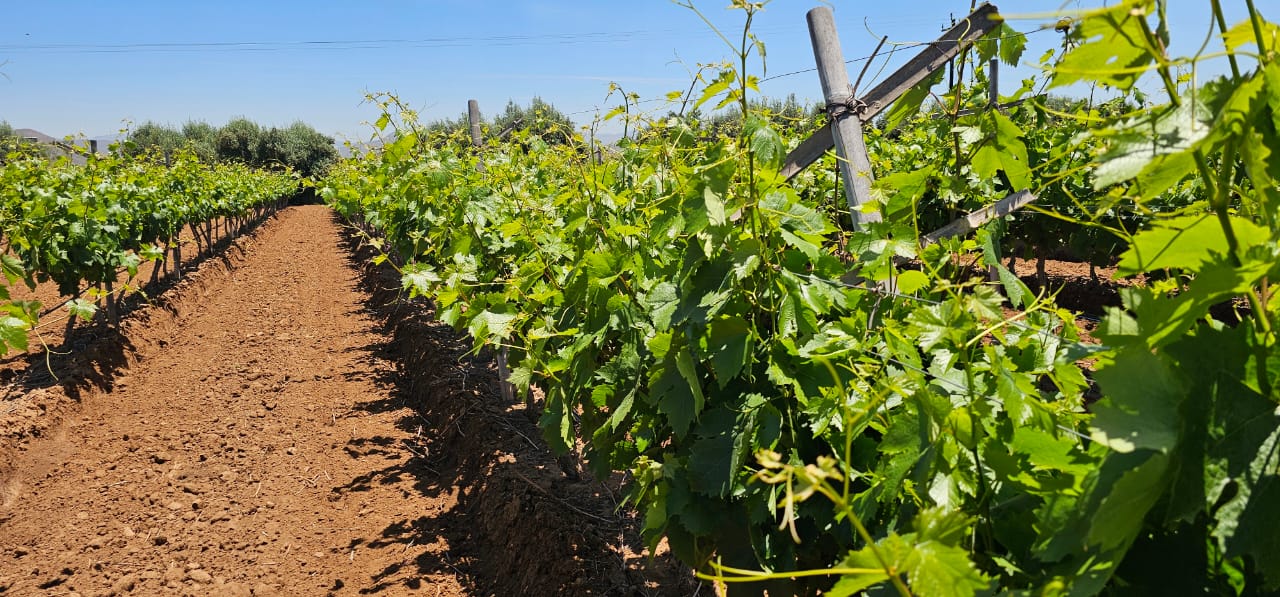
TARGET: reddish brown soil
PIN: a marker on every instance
(1074, 288)
(281, 426)
(132, 292)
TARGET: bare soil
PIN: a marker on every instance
(283, 423)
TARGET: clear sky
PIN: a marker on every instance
(87, 66)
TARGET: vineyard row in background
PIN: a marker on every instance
(82, 227)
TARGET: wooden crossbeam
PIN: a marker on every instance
(933, 57)
(972, 221)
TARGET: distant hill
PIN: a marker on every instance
(34, 135)
(57, 147)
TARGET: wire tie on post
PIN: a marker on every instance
(850, 106)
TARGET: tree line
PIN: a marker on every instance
(297, 146)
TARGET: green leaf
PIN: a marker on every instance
(855, 584)
(714, 205)
(1046, 452)
(949, 527)
(812, 250)
(491, 326)
(1154, 147)
(713, 462)
(765, 144)
(1231, 463)
(674, 398)
(153, 252)
(13, 334)
(1162, 319)
(727, 344)
(944, 570)
(616, 111)
(82, 309)
(1121, 513)
(520, 377)
(931, 558)
(1012, 43)
(933, 324)
(557, 426)
(1139, 409)
(623, 409)
(130, 261)
(931, 567)
(1003, 150)
(1186, 242)
(1018, 292)
(909, 104)
(1241, 34)
(911, 281)
(746, 258)
(12, 268)
(662, 302)
(688, 370)
(901, 190)
(1112, 48)
(1016, 390)
(720, 85)
(419, 279)
(1250, 451)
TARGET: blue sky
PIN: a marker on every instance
(69, 67)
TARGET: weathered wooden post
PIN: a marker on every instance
(113, 311)
(504, 371)
(993, 83)
(177, 256)
(473, 118)
(846, 123)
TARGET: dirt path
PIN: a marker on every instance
(266, 449)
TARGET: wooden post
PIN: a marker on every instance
(933, 57)
(113, 312)
(473, 118)
(177, 257)
(846, 123)
(504, 372)
(993, 84)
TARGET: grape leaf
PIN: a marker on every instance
(766, 145)
(1155, 147)
(82, 309)
(1112, 47)
(13, 334)
(1140, 405)
(1185, 242)
(490, 325)
(1002, 150)
(727, 342)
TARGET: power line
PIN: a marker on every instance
(903, 46)
(545, 39)
(906, 46)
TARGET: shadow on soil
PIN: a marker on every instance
(519, 525)
(43, 384)
(93, 352)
